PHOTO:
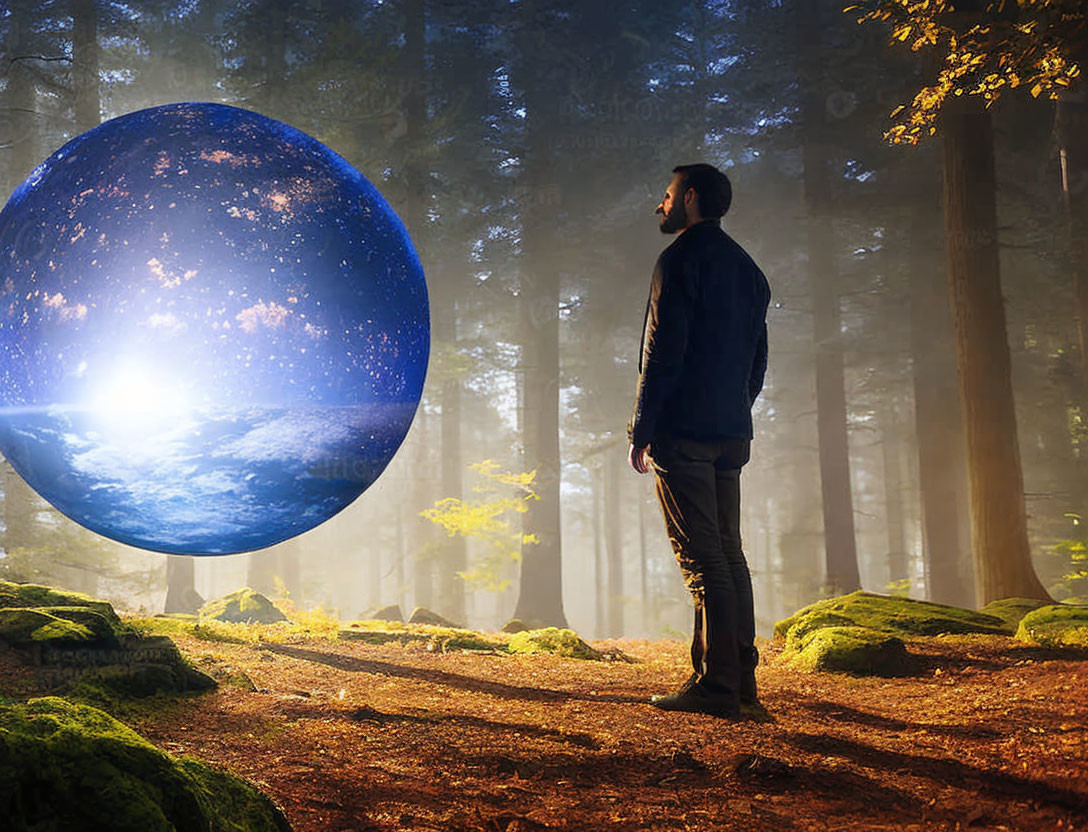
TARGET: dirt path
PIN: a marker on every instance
(990, 735)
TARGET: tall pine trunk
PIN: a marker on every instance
(891, 446)
(1001, 554)
(840, 559)
(540, 591)
(614, 541)
(942, 471)
(1071, 131)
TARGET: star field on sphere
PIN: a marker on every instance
(213, 330)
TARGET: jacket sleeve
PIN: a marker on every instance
(759, 365)
(666, 338)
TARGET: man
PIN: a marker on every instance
(701, 365)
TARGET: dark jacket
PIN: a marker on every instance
(704, 340)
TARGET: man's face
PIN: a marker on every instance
(673, 215)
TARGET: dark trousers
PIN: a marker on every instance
(698, 486)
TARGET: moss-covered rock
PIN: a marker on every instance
(243, 606)
(1012, 610)
(903, 617)
(22, 627)
(849, 650)
(515, 625)
(1056, 625)
(422, 615)
(37, 595)
(112, 685)
(73, 767)
(392, 612)
(562, 642)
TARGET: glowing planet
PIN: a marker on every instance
(213, 330)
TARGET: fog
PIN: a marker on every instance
(525, 146)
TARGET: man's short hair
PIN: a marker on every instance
(712, 187)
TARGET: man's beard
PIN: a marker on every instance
(675, 219)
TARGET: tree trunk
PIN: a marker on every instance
(1002, 558)
(643, 594)
(453, 557)
(181, 594)
(898, 562)
(540, 593)
(942, 472)
(613, 542)
(87, 101)
(840, 559)
(421, 533)
(1071, 130)
(600, 584)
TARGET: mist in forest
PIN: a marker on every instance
(525, 146)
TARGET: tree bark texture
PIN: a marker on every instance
(841, 560)
(1001, 554)
(1071, 130)
(540, 596)
(942, 471)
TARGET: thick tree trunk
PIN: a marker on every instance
(1002, 557)
(942, 472)
(540, 595)
(841, 560)
(614, 542)
(1071, 130)
(181, 594)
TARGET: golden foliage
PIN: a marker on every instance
(486, 520)
(1029, 43)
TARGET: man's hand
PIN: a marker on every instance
(639, 459)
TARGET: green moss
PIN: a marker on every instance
(562, 642)
(1012, 610)
(850, 650)
(242, 606)
(36, 595)
(457, 639)
(374, 631)
(903, 617)
(1057, 625)
(70, 766)
(24, 626)
(209, 630)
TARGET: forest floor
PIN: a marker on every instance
(989, 734)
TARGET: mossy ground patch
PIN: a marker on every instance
(73, 767)
(1056, 625)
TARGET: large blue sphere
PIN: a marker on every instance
(213, 330)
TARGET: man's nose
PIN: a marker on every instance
(660, 209)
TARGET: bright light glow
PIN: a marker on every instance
(137, 394)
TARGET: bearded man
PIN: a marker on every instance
(701, 365)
